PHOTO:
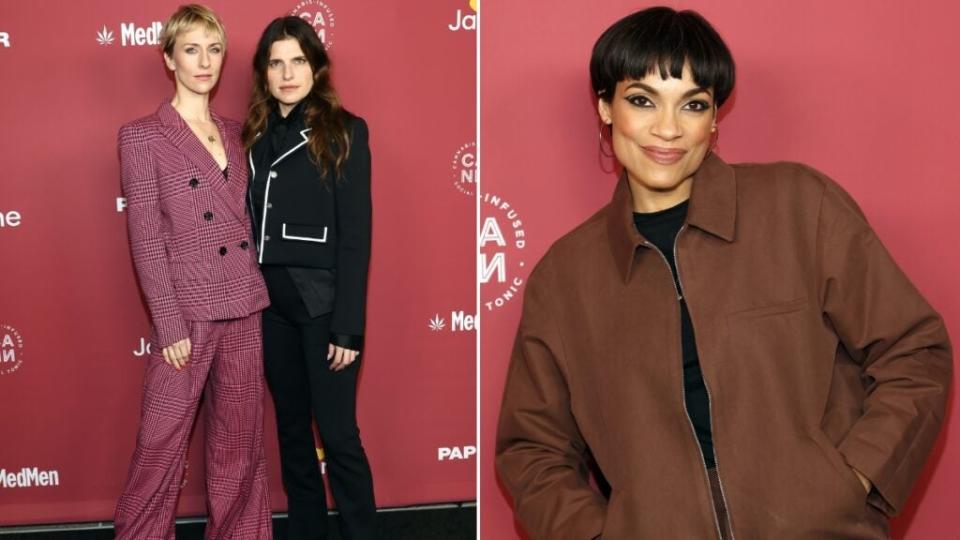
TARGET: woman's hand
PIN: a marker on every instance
(341, 356)
(178, 354)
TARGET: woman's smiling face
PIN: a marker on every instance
(661, 131)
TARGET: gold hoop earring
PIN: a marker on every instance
(610, 156)
(602, 153)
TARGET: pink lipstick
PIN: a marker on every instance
(664, 156)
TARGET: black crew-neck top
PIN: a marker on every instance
(661, 229)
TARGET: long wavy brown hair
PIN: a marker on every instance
(328, 142)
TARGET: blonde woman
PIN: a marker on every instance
(184, 177)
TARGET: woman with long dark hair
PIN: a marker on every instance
(184, 173)
(310, 198)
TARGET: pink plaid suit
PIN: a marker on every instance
(190, 237)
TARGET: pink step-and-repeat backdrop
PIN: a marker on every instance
(72, 325)
(862, 90)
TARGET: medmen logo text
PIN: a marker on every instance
(29, 477)
(132, 35)
(11, 349)
(121, 204)
(5, 39)
(459, 322)
(464, 168)
(455, 452)
(465, 21)
(502, 240)
(9, 219)
(320, 16)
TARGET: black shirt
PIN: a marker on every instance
(278, 131)
(661, 229)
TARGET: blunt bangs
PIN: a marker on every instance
(664, 40)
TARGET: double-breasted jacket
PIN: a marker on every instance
(188, 225)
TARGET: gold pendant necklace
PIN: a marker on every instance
(211, 138)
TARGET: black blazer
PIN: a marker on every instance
(317, 225)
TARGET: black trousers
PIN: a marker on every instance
(305, 389)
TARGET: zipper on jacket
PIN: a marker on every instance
(678, 287)
(716, 459)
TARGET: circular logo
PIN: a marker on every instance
(11, 349)
(464, 168)
(320, 16)
(502, 239)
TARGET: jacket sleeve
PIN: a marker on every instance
(899, 340)
(148, 235)
(353, 212)
(540, 451)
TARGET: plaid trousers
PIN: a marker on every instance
(226, 364)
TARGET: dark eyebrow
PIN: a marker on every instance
(650, 89)
(301, 57)
(217, 43)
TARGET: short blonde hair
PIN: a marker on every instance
(187, 17)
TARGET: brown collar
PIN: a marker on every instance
(713, 209)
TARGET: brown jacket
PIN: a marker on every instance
(817, 351)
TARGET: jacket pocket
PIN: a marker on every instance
(771, 340)
(236, 264)
(779, 308)
(304, 233)
(844, 472)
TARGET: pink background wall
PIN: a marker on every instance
(862, 90)
(67, 286)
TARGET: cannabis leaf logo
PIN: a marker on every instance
(105, 37)
(437, 323)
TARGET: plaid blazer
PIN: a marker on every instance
(190, 234)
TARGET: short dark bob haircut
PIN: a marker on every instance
(664, 38)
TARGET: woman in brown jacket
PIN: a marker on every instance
(731, 343)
